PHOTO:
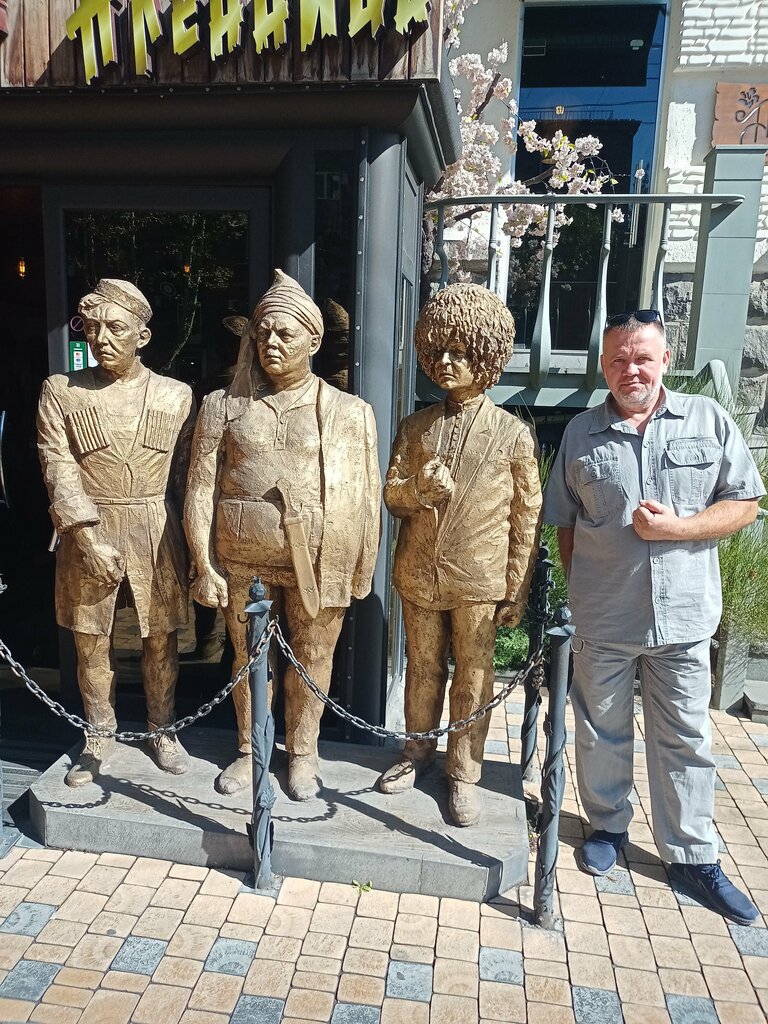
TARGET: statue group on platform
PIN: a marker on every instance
(278, 477)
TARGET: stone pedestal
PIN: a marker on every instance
(401, 843)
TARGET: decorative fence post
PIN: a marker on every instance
(538, 610)
(262, 736)
(552, 775)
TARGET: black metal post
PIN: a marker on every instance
(553, 773)
(538, 610)
(262, 737)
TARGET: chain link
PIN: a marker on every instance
(129, 736)
(533, 667)
(534, 662)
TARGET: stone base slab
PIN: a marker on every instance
(401, 843)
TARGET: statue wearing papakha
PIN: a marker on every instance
(114, 446)
(284, 484)
(464, 480)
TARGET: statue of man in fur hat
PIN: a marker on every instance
(278, 448)
(114, 445)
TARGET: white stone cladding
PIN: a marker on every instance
(722, 33)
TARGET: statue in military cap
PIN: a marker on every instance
(114, 447)
(284, 484)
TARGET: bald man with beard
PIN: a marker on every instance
(280, 442)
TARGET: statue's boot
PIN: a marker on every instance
(168, 752)
(402, 775)
(94, 756)
(235, 776)
(463, 802)
(303, 776)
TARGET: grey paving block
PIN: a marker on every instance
(619, 881)
(139, 956)
(514, 707)
(726, 761)
(28, 980)
(501, 965)
(761, 785)
(596, 1006)
(750, 941)
(353, 1013)
(231, 956)
(409, 981)
(257, 1010)
(496, 747)
(691, 1010)
(760, 741)
(639, 746)
(719, 784)
(28, 919)
(513, 731)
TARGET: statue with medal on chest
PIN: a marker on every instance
(463, 479)
(114, 446)
(284, 484)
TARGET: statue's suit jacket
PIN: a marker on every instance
(480, 546)
(351, 488)
(131, 493)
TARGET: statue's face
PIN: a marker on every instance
(114, 336)
(452, 370)
(284, 345)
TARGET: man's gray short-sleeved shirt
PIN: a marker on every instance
(623, 589)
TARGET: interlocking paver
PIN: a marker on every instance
(161, 1003)
(258, 1008)
(125, 981)
(750, 941)
(409, 981)
(502, 1002)
(596, 1006)
(139, 956)
(346, 1013)
(269, 978)
(457, 978)
(178, 970)
(28, 918)
(691, 1010)
(501, 965)
(404, 1011)
(115, 1007)
(28, 980)
(231, 956)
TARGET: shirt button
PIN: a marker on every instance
(649, 480)
(657, 560)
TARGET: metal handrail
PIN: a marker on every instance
(541, 342)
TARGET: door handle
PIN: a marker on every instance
(3, 490)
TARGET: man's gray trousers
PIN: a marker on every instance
(675, 685)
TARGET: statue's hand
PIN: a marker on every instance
(508, 614)
(99, 560)
(433, 482)
(210, 589)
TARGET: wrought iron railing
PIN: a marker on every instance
(533, 371)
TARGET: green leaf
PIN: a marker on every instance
(363, 886)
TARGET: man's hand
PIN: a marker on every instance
(99, 560)
(433, 482)
(210, 589)
(508, 614)
(654, 521)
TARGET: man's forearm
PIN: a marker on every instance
(565, 543)
(719, 520)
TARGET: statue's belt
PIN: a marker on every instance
(150, 499)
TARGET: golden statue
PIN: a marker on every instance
(464, 480)
(284, 484)
(114, 446)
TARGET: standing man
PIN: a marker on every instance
(284, 484)
(114, 446)
(642, 489)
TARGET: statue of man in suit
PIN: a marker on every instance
(464, 480)
(284, 484)
(114, 446)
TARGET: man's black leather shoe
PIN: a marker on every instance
(710, 884)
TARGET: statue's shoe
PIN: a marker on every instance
(235, 776)
(303, 777)
(168, 753)
(402, 775)
(94, 756)
(463, 802)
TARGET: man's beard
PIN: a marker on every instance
(639, 400)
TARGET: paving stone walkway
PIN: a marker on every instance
(110, 939)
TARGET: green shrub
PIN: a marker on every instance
(511, 647)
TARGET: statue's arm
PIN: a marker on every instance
(209, 587)
(182, 453)
(366, 562)
(400, 491)
(525, 517)
(70, 507)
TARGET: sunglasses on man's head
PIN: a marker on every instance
(643, 316)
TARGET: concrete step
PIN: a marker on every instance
(402, 843)
(756, 699)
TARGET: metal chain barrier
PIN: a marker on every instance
(535, 661)
(128, 736)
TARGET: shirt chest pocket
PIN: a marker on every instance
(600, 487)
(693, 465)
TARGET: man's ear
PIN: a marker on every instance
(144, 335)
(314, 345)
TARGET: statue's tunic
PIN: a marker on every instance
(480, 545)
(324, 443)
(115, 456)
